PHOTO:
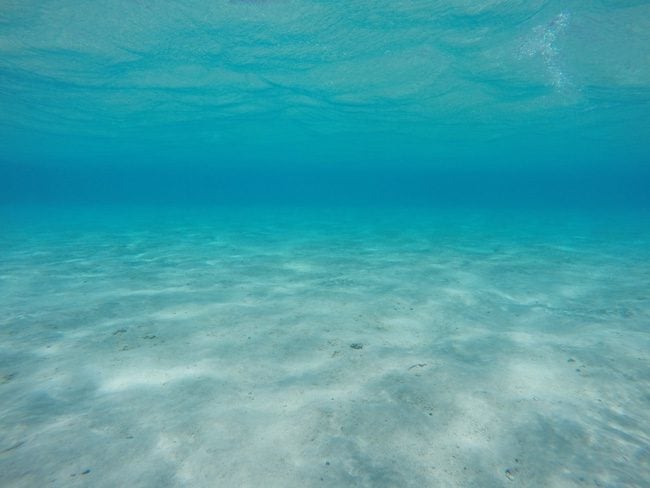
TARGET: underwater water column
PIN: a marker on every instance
(300, 243)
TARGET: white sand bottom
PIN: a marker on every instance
(281, 350)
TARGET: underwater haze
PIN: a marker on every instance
(308, 243)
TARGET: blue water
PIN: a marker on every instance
(409, 102)
(324, 243)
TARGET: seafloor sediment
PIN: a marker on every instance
(291, 349)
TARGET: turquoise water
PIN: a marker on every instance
(295, 243)
(380, 101)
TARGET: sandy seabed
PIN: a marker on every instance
(286, 349)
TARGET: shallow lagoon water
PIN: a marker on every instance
(304, 243)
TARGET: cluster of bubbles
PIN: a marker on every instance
(542, 43)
